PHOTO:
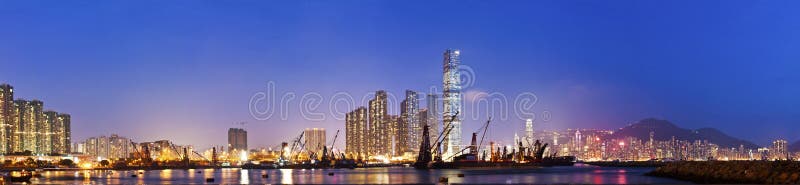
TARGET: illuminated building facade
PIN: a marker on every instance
(357, 133)
(105, 147)
(237, 139)
(409, 124)
(47, 132)
(26, 127)
(64, 134)
(529, 130)
(779, 150)
(380, 129)
(398, 135)
(452, 101)
(6, 117)
(314, 139)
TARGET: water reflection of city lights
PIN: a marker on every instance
(286, 176)
(244, 177)
(165, 174)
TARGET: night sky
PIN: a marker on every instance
(186, 70)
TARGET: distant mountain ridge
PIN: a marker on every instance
(794, 147)
(664, 130)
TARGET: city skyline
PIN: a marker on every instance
(604, 78)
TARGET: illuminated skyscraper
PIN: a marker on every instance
(6, 117)
(314, 139)
(409, 119)
(57, 136)
(357, 133)
(237, 139)
(398, 135)
(577, 140)
(25, 126)
(779, 149)
(64, 134)
(452, 101)
(30, 121)
(380, 130)
(529, 130)
(47, 132)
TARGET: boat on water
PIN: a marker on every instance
(18, 176)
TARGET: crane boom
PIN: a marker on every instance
(334, 141)
(445, 132)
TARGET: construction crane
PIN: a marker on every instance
(333, 155)
(485, 127)
(295, 143)
(200, 155)
(445, 132)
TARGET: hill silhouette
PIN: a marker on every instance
(664, 130)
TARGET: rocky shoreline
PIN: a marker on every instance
(732, 172)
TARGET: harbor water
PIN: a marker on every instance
(551, 175)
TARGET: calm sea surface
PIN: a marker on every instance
(572, 175)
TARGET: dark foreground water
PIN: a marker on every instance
(560, 175)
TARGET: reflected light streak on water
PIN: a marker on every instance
(286, 176)
(244, 176)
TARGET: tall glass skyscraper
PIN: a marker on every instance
(452, 102)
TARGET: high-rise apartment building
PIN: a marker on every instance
(314, 140)
(47, 132)
(779, 149)
(25, 126)
(64, 139)
(237, 139)
(398, 135)
(6, 117)
(409, 122)
(357, 133)
(105, 147)
(380, 130)
(31, 121)
(452, 101)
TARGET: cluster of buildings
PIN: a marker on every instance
(371, 132)
(600, 145)
(26, 128)
(118, 148)
(106, 147)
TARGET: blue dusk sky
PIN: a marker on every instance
(186, 70)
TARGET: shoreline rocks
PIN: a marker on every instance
(738, 172)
